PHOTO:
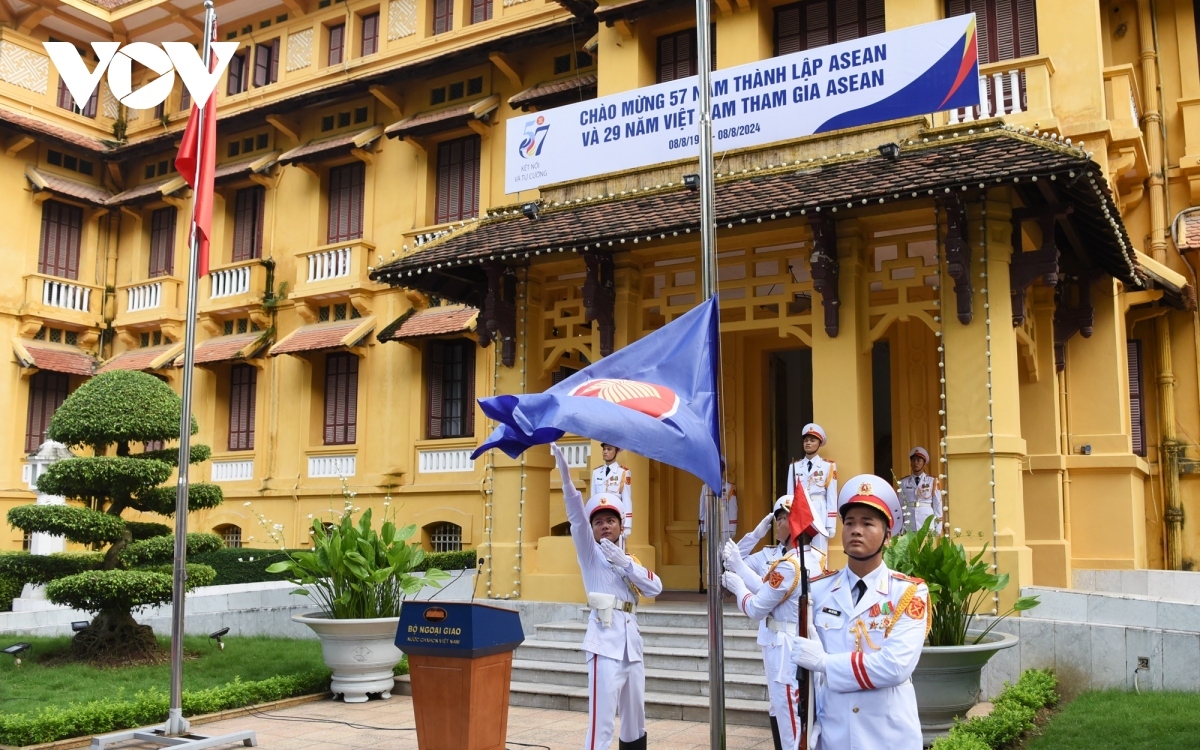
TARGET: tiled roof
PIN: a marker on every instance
(34, 126)
(45, 355)
(147, 190)
(43, 180)
(955, 162)
(434, 321)
(316, 336)
(633, 9)
(443, 119)
(243, 167)
(314, 150)
(147, 358)
(1188, 231)
(225, 348)
(549, 92)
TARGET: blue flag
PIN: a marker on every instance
(656, 397)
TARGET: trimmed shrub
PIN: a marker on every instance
(162, 549)
(1012, 714)
(82, 525)
(150, 707)
(97, 478)
(197, 453)
(463, 560)
(122, 406)
(142, 530)
(10, 588)
(235, 565)
(113, 590)
(161, 500)
(197, 575)
(40, 569)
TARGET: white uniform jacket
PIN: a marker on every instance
(729, 511)
(616, 479)
(819, 477)
(621, 639)
(921, 497)
(865, 699)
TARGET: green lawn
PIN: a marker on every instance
(33, 685)
(1117, 720)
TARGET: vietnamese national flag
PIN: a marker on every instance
(801, 519)
(201, 147)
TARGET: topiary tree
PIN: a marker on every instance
(116, 410)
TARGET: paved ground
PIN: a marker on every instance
(377, 721)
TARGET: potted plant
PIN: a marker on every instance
(359, 577)
(947, 677)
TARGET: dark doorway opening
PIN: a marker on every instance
(881, 408)
(791, 409)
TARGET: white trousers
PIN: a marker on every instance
(783, 697)
(615, 687)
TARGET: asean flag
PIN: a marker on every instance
(656, 397)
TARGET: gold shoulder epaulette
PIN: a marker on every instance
(826, 574)
(910, 579)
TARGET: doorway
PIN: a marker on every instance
(791, 409)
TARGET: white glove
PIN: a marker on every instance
(733, 583)
(764, 526)
(614, 555)
(807, 653)
(731, 554)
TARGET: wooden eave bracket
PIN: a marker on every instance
(289, 126)
(499, 319)
(823, 265)
(508, 67)
(600, 296)
(958, 255)
(17, 144)
(389, 97)
(1027, 267)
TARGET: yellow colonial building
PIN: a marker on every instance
(1011, 286)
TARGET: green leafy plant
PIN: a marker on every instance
(958, 585)
(112, 412)
(353, 571)
(1013, 714)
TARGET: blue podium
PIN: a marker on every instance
(460, 667)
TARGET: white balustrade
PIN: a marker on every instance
(329, 264)
(1000, 93)
(65, 295)
(229, 281)
(144, 297)
(444, 461)
(330, 466)
(577, 454)
(233, 471)
(27, 475)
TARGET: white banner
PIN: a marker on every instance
(913, 71)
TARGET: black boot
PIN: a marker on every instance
(775, 734)
(639, 744)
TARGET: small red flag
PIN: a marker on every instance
(801, 519)
(201, 148)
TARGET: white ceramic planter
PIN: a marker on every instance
(946, 681)
(361, 653)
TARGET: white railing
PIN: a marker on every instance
(144, 297)
(440, 462)
(329, 264)
(65, 295)
(27, 474)
(577, 454)
(330, 466)
(1000, 93)
(230, 281)
(233, 471)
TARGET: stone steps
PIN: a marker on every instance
(676, 682)
(669, 637)
(1105, 608)
(656, 657)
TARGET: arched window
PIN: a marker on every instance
(230, 534)
(445, 537)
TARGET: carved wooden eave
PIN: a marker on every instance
(500, 312)
(825, 270)
(1041, 263)
(600, 297)
(958, 255)
(1072, 316)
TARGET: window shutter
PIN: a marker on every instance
(445, 176)
(370, 34)
(259, 217)
(1137, 417)
(58, 254)
(248, 218)
(47, 391)
(481, 10)
(346, 184)
(185, 100)
(469, 401)
(1026, 13)
(787, 30)
(262, 65)
(330, 399)
(64, 96)
(237, 73)
(341, 399)
(337, 42)
(816, 24)
(457, 179)
(89, 109)
(470, 172)
(243, 382)
(1008, 28)
(351, 404)
(358, 172)
(162, 242)
(274, 73)
(335, 214)
(433, 382)
(443, 16)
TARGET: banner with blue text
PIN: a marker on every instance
(914, 71)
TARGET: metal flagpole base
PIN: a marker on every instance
(176, 724)
(187, 741)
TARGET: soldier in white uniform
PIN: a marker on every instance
(615, 479)
(870, 624)
(613, 581)
(819, 477)
(729, 511)
(766, 586)
(920, 494)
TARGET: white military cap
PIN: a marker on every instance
(868, 489)
(814, 429)
(919, 451)
(604, 501)
(785, 503)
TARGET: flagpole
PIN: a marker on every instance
(708, 264)
(176, 724)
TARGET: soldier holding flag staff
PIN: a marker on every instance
(920, 494)
(818, 476)
(870, 625)
(613, 581)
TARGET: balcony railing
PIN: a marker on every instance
(331, 466)
(442, 461)
(329, 264)
(334, 268)
(1008, 88)
(227, 282)
(66, 295)
(233, 471)
(577, 454)
(144, 297)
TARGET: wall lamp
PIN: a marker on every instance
(217, 637)
(691, 182)
(891, 151)
(530, 210)
(16, 650)
(79, 625)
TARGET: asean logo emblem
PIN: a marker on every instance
(650, 399)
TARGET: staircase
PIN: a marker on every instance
(550, 669)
